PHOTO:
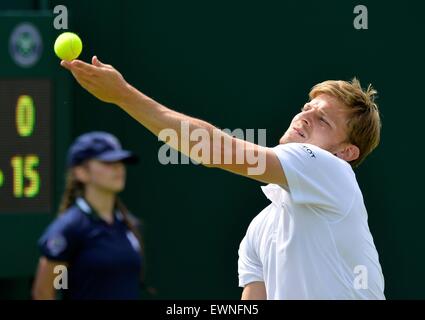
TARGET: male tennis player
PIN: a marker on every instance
(313, 240)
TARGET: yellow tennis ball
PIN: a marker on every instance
(68, 46)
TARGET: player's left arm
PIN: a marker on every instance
(107, 84)
(254, 291)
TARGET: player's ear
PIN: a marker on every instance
(349, 153)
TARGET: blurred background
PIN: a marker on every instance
(236, 64)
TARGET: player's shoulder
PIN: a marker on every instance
(308, 149)
(310, 154)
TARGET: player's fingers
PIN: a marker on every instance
(98, 63)
(95, 61)
(85, 82)
(81, 73)
(83, 66)
(73, 65)
(66, 64)
(80, 81)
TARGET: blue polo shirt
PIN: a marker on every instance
(104, 260)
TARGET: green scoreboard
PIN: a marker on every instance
(35, 111)
(25, 142)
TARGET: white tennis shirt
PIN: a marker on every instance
(313, 241)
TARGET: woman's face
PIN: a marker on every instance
(107, 176)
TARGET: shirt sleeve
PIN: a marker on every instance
(59, 241)
(317, 178)
(250, 268)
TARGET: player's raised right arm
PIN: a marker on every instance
(107, 84)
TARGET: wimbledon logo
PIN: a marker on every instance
(25, 45)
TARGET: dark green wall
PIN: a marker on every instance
(251, 65)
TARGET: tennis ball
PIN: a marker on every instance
(68, 46)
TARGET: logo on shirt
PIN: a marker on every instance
(56, 244)
(309, 152)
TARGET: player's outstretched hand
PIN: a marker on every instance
(101, 80)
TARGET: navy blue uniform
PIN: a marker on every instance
(104, 260)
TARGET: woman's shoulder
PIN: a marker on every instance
(62, 235)
(72, 218)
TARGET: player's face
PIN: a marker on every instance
(321, 122)
(107, 176)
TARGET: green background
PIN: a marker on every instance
(242, 65)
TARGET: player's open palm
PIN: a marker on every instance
(101, 80)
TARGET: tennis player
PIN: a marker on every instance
(313, 240)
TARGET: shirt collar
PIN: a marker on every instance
(88, 210)
(83, 205)
(274, 193)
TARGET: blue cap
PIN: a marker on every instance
(98, 145)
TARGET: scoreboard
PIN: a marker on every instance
(35, 126)
(25, 141)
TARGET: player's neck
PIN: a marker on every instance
(101, 201)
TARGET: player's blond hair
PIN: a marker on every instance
(364, 123)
